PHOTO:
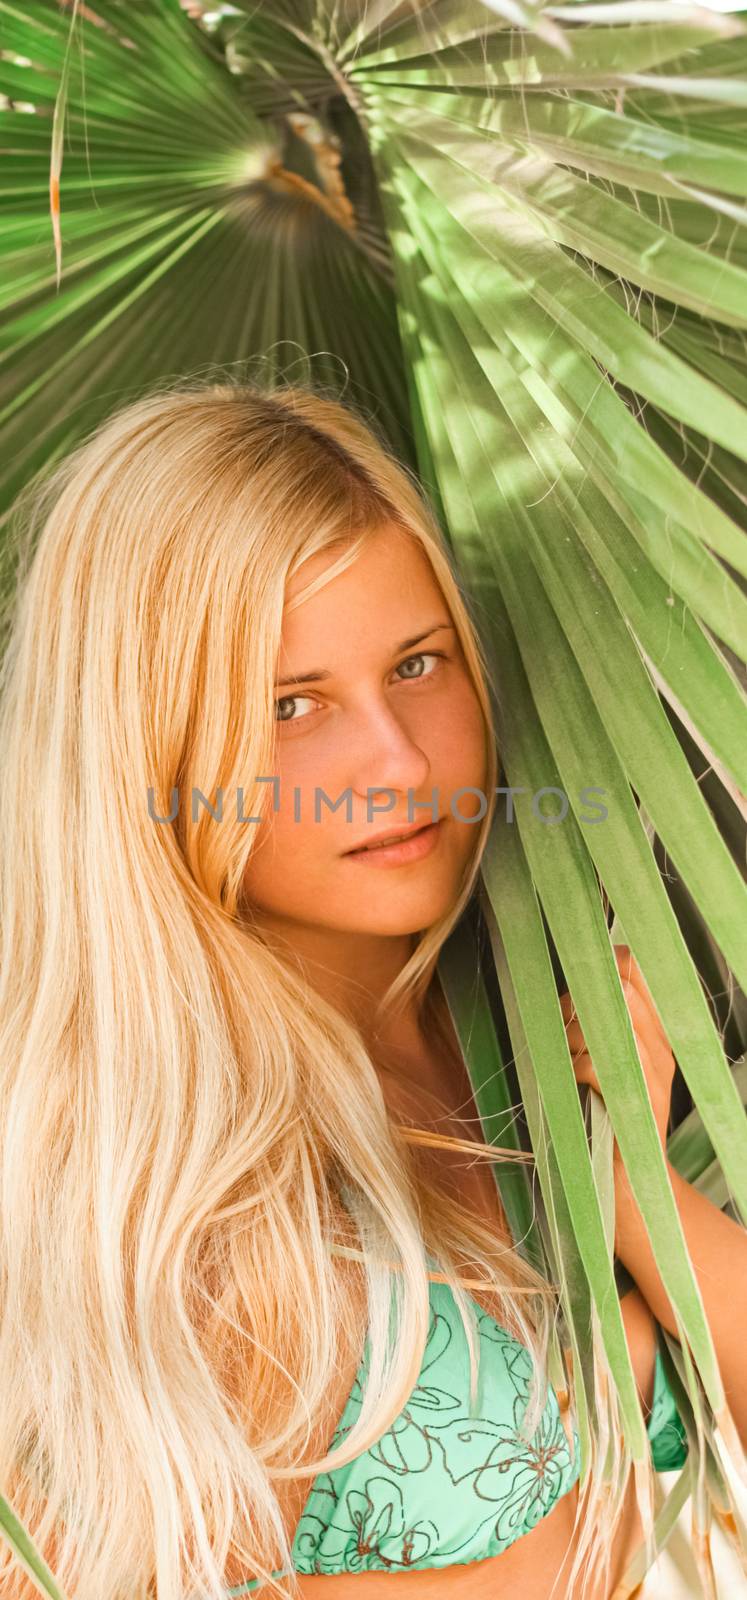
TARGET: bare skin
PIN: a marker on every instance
(406, 721)
(530, 1566)
(352, 927)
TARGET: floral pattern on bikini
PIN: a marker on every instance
(496, 1484)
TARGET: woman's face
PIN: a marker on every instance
(381, 714)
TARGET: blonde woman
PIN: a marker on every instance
(221, 1023)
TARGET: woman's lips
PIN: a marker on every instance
(420, 844)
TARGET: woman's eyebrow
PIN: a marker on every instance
(319, 677)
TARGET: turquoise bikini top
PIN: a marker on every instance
(445, 1485)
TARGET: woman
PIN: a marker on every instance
(219, 1016)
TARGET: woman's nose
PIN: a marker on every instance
(383, 753)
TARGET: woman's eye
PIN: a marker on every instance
(434, 655)
(296, 699)
(290, 700)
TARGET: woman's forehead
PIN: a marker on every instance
(388, 557)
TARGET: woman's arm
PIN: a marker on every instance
(718, 1250)
(717, 1245)
(640, 1332)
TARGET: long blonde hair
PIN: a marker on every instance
(178, 1108)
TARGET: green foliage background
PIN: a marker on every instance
(515, 235)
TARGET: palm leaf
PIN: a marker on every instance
(515, 234)
(185, 240)
(23, 1547)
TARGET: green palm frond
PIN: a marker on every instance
(516, 234)
(186, 239)
(22, 1546)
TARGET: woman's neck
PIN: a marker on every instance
(427, 1057)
